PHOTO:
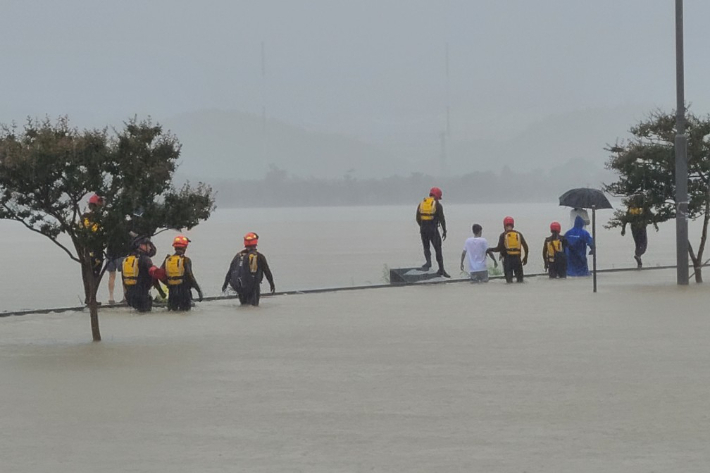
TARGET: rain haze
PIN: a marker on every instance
(302, 116)
(365, 89)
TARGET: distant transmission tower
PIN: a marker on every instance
(263, 87)
(264, 131)
(448, 94)
(447, 133)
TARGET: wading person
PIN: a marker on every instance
(179, 276)
(637, 217)
(474, 253)
(510, 246)
(139, 274)
(578, 239)
(246, 272)
(96, 249)
(553, 253)
(112, 266)
(430, 215)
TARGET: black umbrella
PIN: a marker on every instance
(586, 198)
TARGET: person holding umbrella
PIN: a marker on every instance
(583, 198)
(577, 241)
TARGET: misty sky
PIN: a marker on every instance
(369, 68)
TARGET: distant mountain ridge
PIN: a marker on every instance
(236, 145)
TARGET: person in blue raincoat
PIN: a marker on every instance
(578, 239)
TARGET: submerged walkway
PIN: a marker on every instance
(12, 313)
(538, 377)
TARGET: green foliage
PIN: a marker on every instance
(385, 273)
(645, 165)
(48, 171)
(495, 270)
(646, 168)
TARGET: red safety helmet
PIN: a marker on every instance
(508, 221)
(96, 200)
(181, 241)
(435, 192)
(555, 227)
(251, 239)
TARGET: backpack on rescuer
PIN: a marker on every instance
(175, 269)
(512, 243)
(244, 278)
(427, 209)
(130, 270)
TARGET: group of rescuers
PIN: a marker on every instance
(245, 274)
(246, 271)
(563, 255)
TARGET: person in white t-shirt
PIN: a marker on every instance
(474, 253)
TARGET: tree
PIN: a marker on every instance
(646, 168)
(47, 170)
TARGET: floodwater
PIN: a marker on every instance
(312, 247)
(537, 377)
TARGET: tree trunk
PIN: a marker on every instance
(92, 286)
(697, 262)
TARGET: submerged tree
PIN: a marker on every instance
(48, 170)
(646, 168)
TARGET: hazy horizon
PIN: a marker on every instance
(371, 80)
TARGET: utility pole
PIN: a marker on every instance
(681, 156)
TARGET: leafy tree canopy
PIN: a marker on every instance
(645, 165)
(48, 171)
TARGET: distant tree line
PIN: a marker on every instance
(280, 189)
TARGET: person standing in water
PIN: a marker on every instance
(474, 253)
(553, 253)
(246, 272)
(578, 239)
(430, 215)
(179, 277)
(510, 246)
(637, 217)
(139, 274)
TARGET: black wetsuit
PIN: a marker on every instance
(638, 232)
(512, 263)
(138, 294)
(429, 231)
(180, 295)
(262, 269)
(638, 218)
(556, 264)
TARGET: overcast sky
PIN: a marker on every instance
(366, 67)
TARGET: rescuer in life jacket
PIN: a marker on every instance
(510, 246)
(638, 216)
(430, 215)
(553, 253)
(89, 220)
(95, 247)
(179, 276)
(139, 274)
(246, 272)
